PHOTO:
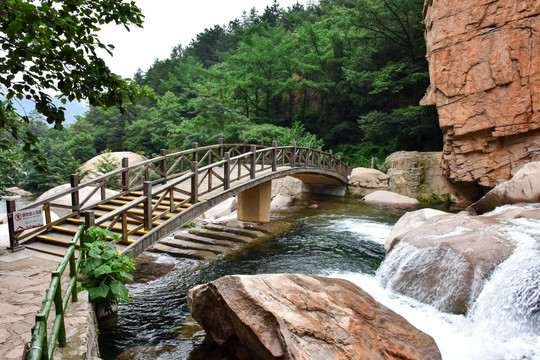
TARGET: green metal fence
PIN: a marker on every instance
(40, 346)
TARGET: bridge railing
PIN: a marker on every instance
(170, 182)
(42, 344)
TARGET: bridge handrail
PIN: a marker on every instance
(40, 346)
(189, 166)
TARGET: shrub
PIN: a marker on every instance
(105, 270)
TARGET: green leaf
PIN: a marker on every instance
(103, 269)
(98, 292)
(119, 289)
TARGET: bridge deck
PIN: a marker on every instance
(142, 211)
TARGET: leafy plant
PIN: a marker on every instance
(105, 269)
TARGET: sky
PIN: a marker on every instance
(169, 23)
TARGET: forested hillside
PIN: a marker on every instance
(345, 74)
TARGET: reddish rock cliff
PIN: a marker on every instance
(484, 59)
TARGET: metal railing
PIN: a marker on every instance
(191, 173)
(42, 345)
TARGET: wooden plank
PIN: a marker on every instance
(47, 248)
(191, 254)
(183, 244)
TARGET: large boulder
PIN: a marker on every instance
(411, 220)
(420, 174)
(381, 197)
(223, 209)
(364, 181)
(92, 168)
(485, 83)
(524, 187)
(444, 259)
(286, 316)
(287, 186)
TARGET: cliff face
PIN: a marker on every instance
(484, 59)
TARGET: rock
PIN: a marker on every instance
(382, 197)
(223, 209)
(90, 169)
(485, 83)
(524, 187)
(420, 174)
(19, 192)
(287, 316)
(364, 181)
(411, 220)
(281, 201)
(444, 259)
(288, 186)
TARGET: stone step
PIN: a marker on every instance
(191, 254)
(221, 236)
(183, 244)
(255, 234)
(204, 240)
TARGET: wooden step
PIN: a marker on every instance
(135, 211)
(127, 199)
(55, 239)
(190, 254)
(65, 229)
(46, 248)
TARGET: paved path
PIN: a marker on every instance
(24, 277)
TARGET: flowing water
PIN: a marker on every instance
(342, 238)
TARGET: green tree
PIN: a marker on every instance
(148, 134)
(52, 47)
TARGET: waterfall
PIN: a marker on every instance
(448, 283)
(503, 322)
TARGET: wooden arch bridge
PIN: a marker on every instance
(147, 201)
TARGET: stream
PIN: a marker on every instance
(341, 238)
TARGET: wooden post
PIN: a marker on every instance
(252, 161)
(308, 154)
(374, 162)
(163, 164)
(331, 159)
(89, 219)
(243, 141)
(13, 241)
(147, 193)
(125, 174)
(227, 172)
(220, 148)
(319, 157)
(293, 154)
(195, 153)
(274, 156)
(194, 182)
(74, 181)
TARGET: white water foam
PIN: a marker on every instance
(367, 230)
(458, 337)
(504, 321)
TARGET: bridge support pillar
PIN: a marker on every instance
(254, 203)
